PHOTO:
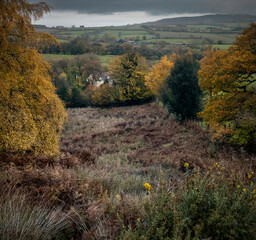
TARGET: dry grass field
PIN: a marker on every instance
(106, 157)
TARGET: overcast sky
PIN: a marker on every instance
(120, 12)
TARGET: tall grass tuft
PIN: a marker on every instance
(20, 221)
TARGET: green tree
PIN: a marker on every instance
(181, 93)
(78, 98)
(128, 72)
(31, 114)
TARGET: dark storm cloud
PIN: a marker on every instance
(156, 6)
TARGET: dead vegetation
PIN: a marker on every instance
(106, 157)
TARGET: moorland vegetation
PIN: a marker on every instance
(168, 153)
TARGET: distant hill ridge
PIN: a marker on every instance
(207, 19)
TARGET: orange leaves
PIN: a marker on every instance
(158, 73)
(230, 77)
(45, 41)
(16, 17)
(211, 75)
(246, 40)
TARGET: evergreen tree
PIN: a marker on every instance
(181, 93)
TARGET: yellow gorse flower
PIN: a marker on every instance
(250, 174)
(147, 186)
(186, 165)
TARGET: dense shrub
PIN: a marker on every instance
(105, 95)
(78, 98)
(204, 207)
(181, 93)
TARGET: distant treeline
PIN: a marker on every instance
(80, 46)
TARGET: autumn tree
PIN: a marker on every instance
(181, 93)
(229, 77)
(158, 73)
(128, 72)
(93, 69)
(104, 95)
(31, 114)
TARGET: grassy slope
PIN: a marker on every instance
(109, 153)
(131, 145)
(229, 38)
(227, 30)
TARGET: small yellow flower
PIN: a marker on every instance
(196, 188)
(186, 165)
(217, 165)
(253, 191)
(238, 186)
(249, 175)
(138, 219)
(254, 196)
(244, 189)
(147, 186)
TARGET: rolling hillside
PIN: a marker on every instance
(207, 19)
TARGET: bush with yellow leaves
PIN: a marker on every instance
(31, 114)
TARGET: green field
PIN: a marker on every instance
(227, 38)
(219, 35)
(221, 47)
(122, 34)
(177, 41)
(104, 59)
(49, 57)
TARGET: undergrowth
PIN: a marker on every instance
(20, 221)
(202, 207)
(95, 188)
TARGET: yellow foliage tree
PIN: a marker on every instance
(128, 72)
(158, 73)
(31, 114)
(230, 76)
(104, 95)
